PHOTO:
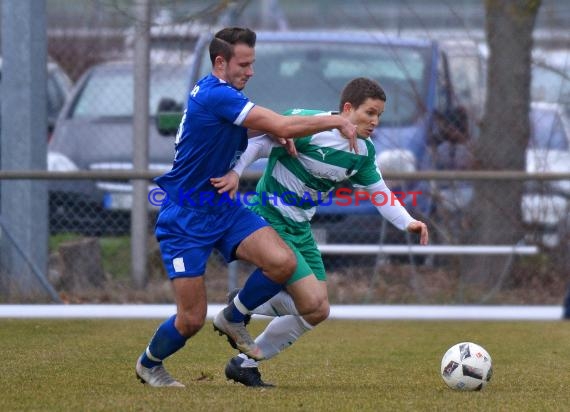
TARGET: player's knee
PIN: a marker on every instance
(189, 324)
(319, 315)
(283, 265)
(316, 305)
(310, 304)
(323, 311)
(289, 264)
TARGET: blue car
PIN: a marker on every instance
(309, 70)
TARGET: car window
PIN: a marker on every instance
(57, 88)
(109, 92)
(547, 131)
(550, 85)
(312, 75)
(443, 93)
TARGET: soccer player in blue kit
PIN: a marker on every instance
(195, 218)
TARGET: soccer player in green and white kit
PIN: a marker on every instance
(321, 162)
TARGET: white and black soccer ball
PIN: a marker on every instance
(466, 366)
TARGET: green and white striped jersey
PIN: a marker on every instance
(292, 187)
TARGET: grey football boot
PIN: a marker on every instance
(156, 376)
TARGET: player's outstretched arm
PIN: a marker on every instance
(396, 213)
(288, 127)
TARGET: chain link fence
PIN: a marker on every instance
(439, 84)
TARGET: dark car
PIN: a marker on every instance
(95, 132)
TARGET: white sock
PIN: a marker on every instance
(279, 305)
(281, 333)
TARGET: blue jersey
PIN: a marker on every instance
(209, 141)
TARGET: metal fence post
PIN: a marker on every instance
(24, 137)
(139, 212)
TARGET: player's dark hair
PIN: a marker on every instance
(224, 41)
(359, 89)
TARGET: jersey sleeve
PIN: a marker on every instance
(257, 147)
(391, 210)
(229, 104)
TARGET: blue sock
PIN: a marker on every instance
(258, 289)
(165, 342)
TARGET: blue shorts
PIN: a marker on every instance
(187, 236)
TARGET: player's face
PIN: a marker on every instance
(367, 116)
(240, 67)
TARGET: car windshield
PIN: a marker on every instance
(312, 75)
(108, 91)
(547, 130)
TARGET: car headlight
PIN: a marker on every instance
(57, 162)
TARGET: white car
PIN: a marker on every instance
(546, 206)
(551, 77)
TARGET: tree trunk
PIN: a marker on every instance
(81, 265)
(505, 129)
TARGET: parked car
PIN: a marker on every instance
(58, 88)
(95, 132)
(58, 91)
(550, 75)
(309, 70)
(551, 79)
(546, 206)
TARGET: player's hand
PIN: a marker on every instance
(421, 229)
(227, 183)
(348, 130)
(288, 144)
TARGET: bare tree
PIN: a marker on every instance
(505, 129)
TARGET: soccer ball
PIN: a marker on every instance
(466, 366)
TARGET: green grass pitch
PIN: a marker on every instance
(88, 365)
